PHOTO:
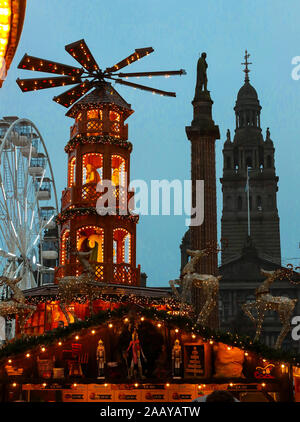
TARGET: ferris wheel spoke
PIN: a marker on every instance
(27, 174)
(38, 235)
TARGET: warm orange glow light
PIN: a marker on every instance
(5, 14)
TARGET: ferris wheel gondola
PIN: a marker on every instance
(28, 201)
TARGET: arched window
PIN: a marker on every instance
(122, 246)
(71, 172)
(65, 247)
(269, 161)
(92, 168)
(239, 203)
(91, 239)
(117, 170)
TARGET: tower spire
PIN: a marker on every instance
(246, 63)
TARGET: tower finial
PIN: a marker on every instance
(246, 63)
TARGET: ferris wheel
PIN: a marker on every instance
(28, 203)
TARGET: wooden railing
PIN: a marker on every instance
(97, 127)
(87, 195)
(103, 272)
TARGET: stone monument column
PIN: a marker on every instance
(203, 133)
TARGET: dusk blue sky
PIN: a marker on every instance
(178, 32)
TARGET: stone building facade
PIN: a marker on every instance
(250, 222)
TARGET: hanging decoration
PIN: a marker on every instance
(264, 371)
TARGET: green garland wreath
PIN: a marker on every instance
(106, 139)
(187, 324)
(68, 214)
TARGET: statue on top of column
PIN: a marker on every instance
(201, 84)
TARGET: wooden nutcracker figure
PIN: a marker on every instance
(101, 360)
(176, 359)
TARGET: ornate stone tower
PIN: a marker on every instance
(249, 209)
(202, 134)
(98, 150)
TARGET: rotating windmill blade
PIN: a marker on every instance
(87, 77)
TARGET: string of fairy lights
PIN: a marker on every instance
(73, 212)
(22, 351)
(99, 139)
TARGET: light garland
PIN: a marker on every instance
(71, 213)
(64, 238)
(108, 317)
(100, 139)
(71, 171)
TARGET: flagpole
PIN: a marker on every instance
(248, 201)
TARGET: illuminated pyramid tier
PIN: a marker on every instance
(99, 151)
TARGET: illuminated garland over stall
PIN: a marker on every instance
(106, 139)
(75, 212)
(26, 343)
